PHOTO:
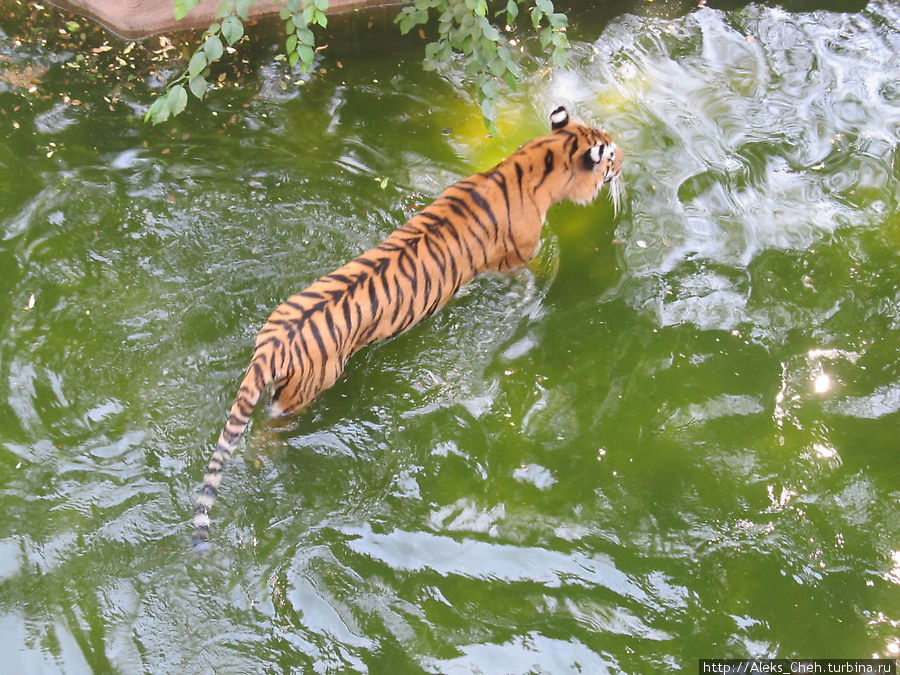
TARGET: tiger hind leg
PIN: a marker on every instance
(287, 401)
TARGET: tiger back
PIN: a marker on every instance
(489, 221)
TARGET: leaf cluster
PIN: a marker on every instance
(227, 29)
(466, 27)
(300, 45)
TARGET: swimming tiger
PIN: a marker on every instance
(489, 221)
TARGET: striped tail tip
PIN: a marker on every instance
(201, 517)
(200, 540)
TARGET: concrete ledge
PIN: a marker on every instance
(139, 18)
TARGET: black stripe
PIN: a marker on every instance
(465, 213)
(333, 329)
(501, 182)
(548, 168)
(314, 329)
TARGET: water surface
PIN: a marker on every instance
(673, 436)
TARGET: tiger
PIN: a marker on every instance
(488, 221)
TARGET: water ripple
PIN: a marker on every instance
(755, 130)
(415, 551)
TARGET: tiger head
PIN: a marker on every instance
(592, 159)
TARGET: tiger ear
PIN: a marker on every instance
(559, 118)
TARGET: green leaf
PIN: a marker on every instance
(488, 29)
(159, 110)
(491, 89)
(545, 6)
(293, 58)
(182, 7)
(411, 17)
(198, 63)
(322, 5)
(307, 55)
(512, 11)
(242, 9)
(290, 45)
(225, 8)
(559, 20)
(232, 29)
(322, 20)
(560, 56)
(546, 36)
(489, 113)
(178, 99)
(213, 48)
(497, 67)
(305, 35)
(198, 86)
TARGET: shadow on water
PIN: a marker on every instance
(673, 436)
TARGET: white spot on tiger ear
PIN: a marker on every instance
(595, 153)
(559, 118)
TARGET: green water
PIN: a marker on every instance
(673, 436)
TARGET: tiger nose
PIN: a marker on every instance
(614, 156)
